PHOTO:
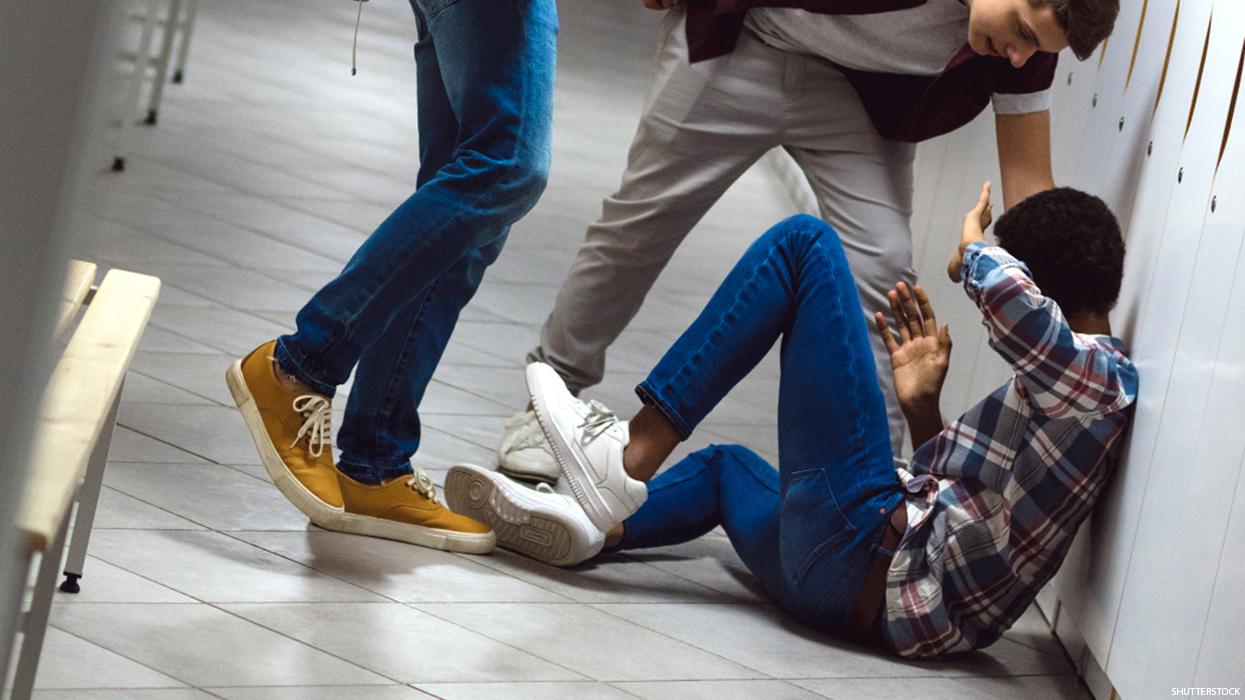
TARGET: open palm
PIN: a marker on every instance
(921, 354)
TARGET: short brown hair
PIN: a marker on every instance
(1086, 22)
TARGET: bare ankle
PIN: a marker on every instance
(614, 537)
(653, 438)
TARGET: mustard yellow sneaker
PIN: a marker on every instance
(406, 509)
(292, 431)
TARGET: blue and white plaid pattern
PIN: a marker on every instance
(995, 499)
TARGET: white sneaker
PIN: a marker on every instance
(544, 525)
(524, 451)
(588, 441)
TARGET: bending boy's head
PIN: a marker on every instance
(1071, 243)
(1015, 29)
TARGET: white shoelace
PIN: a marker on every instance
(422, 484)
(597, 420)
(318, 426)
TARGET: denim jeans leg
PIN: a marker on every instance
(727, 485)
(835, 471)
(495, 62)
(381, 429)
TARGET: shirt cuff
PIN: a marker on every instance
(1021, 103)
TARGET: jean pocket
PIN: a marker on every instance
(431, 8)
(811, 522)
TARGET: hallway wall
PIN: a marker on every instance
(1151, 123)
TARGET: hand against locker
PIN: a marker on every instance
(976, 221)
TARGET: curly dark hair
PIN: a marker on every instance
(1071, 243)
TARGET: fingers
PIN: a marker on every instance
(901, 323)
(981, 210)
(888, 339)
(912, 315)
(944, 337)
(929, 323)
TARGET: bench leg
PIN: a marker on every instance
(179, 73)
(13, 608)
(36, 621)
(88, 499)
(163, 60)
(135, 92)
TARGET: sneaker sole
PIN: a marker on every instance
(528, 474)
(318, 511)
(430, 537)
(569, 458)
(521, 524)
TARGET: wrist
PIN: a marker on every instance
(921, 408)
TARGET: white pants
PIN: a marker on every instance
(704, 125)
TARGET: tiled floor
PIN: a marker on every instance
(268, 168)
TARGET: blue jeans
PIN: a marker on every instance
(485, 73)
(809, 529)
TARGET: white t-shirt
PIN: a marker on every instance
(918, 41)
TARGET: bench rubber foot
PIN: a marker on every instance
(70, 585)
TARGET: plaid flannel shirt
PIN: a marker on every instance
(995, 499)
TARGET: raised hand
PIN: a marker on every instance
(920, 356)
(976, 221)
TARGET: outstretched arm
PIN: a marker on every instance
(919, 359)
(1062, 373)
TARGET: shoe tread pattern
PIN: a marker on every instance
(541, 537)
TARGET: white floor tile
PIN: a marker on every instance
(330, 692)
(524, 691)
(400, 571)
(205, 646)
(717, 690)
(572, 636)
(70, 662)
(102, 582)
(216, 568)
(116, 510)
(127, 694)
(403, 643)
(217, 497)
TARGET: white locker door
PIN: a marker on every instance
(1217, 489)
(1101, 125)
(1093, 600)
(1184, 317)
(1131, 148)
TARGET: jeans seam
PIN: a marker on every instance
(858, 382)
(388, 397)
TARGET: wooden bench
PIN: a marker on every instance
(73, 432)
